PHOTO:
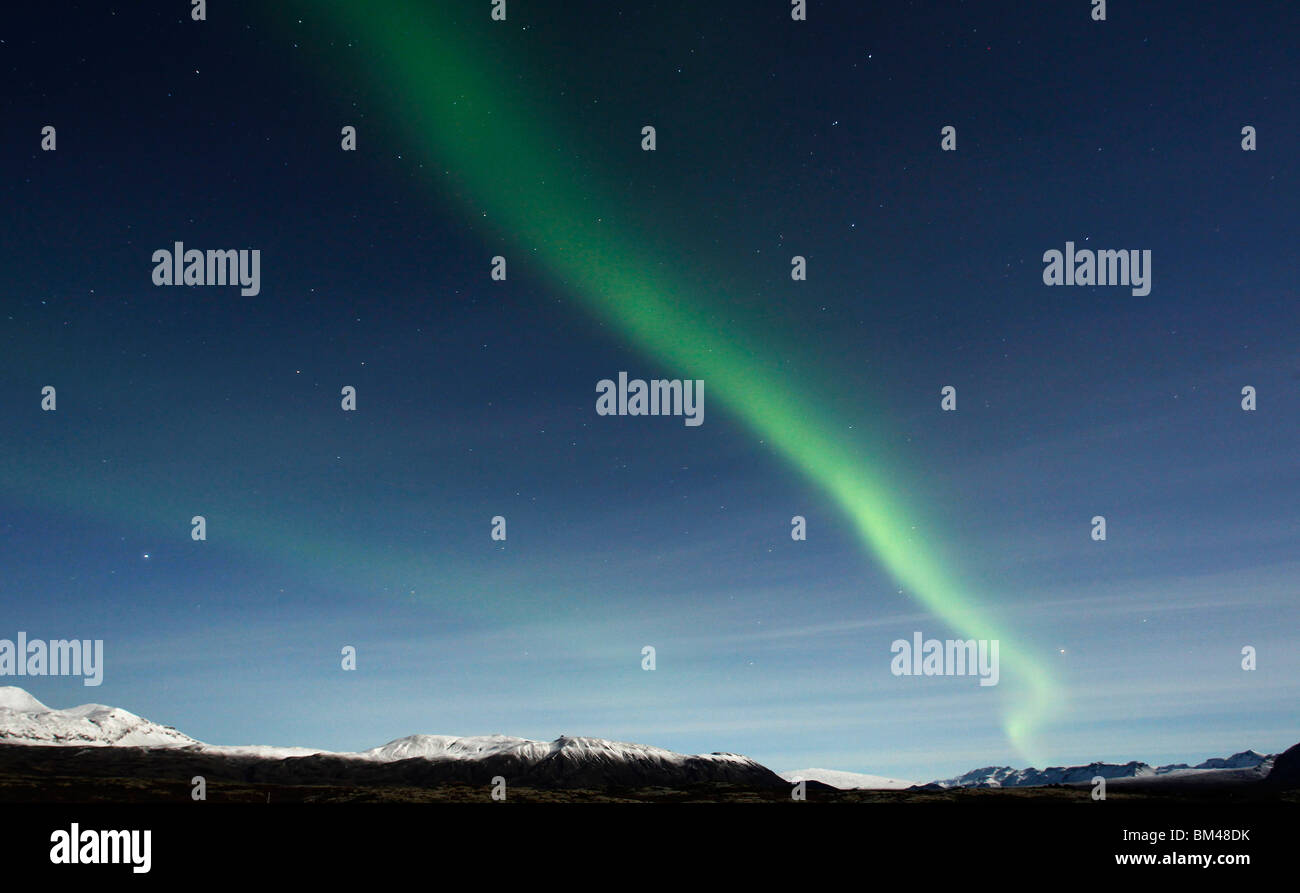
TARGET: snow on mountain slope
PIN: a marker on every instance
(603, 750)
(528, 751)
(449, 747)
(588, 762)
(847, 781)
(1247, 759)
(265, 751)
(1007, 777)
(25, 720)
(14, 698)
(1242, 766)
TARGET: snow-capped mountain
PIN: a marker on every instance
(570, 761)
(25, 720)
(1242, 766)
(848, 781)
(1247, 759)
(565, 762)
(17, 699)
(449, 747)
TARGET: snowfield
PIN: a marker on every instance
(848, 781)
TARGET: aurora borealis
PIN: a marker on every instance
(465, 122)
(521, 139)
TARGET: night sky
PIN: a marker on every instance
(476, 398)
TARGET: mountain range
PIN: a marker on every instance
(1243, 766)
(565, 762)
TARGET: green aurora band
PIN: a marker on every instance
(466, 119)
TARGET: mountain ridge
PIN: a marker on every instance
(1248, 762)
(567, 761)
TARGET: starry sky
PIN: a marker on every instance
(476, 398)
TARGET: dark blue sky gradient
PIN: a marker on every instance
(477, 398)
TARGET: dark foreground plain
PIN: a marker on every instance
(89, 775)
(260, 821)
(64, 789)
